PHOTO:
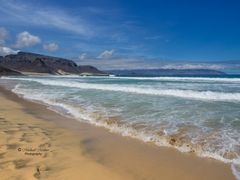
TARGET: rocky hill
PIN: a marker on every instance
(36, 63)
(5, 71)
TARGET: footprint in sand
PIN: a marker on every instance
(25, 138)
(15, 164)
(41, 171)
(2, 155)
(21, 163)
(12, 146)
(7, 165)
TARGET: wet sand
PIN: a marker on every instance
(70, 149)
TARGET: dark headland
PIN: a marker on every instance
(31, 63)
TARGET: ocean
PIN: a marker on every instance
(200, 115)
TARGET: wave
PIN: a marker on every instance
(187, 94)
(236, 168)
(125, 129)
(235, 80)
(196, 79)
(165, 78)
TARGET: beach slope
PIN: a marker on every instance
(36, 143)
(31, 148)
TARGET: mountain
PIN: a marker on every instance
(165, 72)
(36, 63)
(5, 71)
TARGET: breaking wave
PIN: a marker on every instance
(146, 90)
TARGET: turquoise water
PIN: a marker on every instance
(193, 114)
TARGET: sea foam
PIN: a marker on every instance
(188, 94)
(218, 140)
(165, 78)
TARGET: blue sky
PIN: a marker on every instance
(125, 34)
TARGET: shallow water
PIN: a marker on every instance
(192, 114)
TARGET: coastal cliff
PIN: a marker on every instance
(9, 72)
(26, 63)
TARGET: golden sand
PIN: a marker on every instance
(36, 143)
(31, 148)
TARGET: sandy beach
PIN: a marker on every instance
(37, 143)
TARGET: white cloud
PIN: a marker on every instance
(51, 47)
(6, 51)
(106, 54)
(18, 12)
(83, 56)
(25, 39)
(3, 35)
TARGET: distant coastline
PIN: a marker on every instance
(166, 72)
(26, 63)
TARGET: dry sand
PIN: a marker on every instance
(31, 148)
(36, 143)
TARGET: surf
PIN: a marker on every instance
(144, 90)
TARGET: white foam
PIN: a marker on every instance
(124, 129)
(236, 80)
(188, 94)
(205, 79)
(236, 168)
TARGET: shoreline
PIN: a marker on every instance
(32, 148)
(124, 156)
